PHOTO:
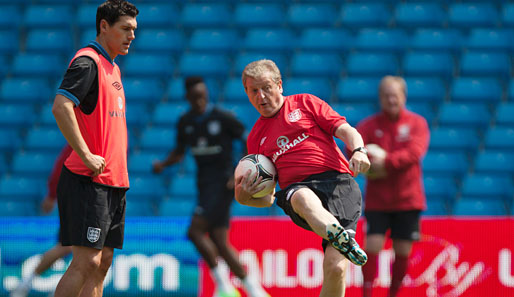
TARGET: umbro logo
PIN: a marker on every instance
(117, 85)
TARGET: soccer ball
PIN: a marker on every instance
(264, 167)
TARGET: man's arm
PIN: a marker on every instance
(67, 122)
(174, 156)
(359, 162)
(245, 188)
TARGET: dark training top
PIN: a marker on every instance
(210, 137)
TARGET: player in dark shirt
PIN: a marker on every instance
(209, 131)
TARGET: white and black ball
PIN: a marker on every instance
(265, 168)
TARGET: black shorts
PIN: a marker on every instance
(403, 224)
(91, 215)
(214, 200)
(338, 192)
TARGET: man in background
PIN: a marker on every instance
(397, 140)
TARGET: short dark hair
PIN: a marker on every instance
(112, 10)
(192, 81)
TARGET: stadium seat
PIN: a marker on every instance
(44, 139)
(140, 163)
(187, 165)
(419, 15)
(499, 138)
(158, 140)
(508, 16)
(464, 115)
(466, 15)
(156, 15)
(25, 90)
(244, 58)
(177, 207)
(494, 162)
(381, 40)
(38, 65)
(462, 139)
(137, 115)
(239, 210)
(55, 41)
(325, 39)
(10, 115)
(206, 65)
(490, 39)
(259, 15)
(359, 15)
(510, 93)
(9, 41)
(86, 16)
(437, 40)
(18, 209)
(354, 113)
(5, 66)
(183, 186)
(488, 187)
(143, 90)
(425, 90)
(212, 15)
(485, 63)
(479, 207)
(439, 187)
(428, 64)
(168, 114)
(449, 164)
(10, 16)
(319, 87)
(316, 64)
(436, 207)
(358, 89)
(476, 90)
(270, 40)
(423, 109)
(214, 40)
(159, 41)
(244, 112)
(39, 16)
(138, 208)
(233, 91)
(146, 188)
(148, 65)
(22, 188)
(505, 114)
(303, 15)
(10, 139)
(371, 64)
(33, 163)
(89, 35)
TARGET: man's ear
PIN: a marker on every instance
(280, 87)
(104, 25)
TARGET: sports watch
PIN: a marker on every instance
(360, 149)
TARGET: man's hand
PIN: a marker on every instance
(95, 162)
(158, 167)
(359, 163)
(47, 204)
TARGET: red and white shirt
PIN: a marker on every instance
(299, 139)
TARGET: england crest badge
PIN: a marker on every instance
(93, 234)
(295, 115)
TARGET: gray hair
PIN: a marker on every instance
(390, 78)
(259, 68)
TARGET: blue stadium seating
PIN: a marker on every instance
(494, 162)
(423, 109)
(371, 64)
(53, 41)
(325, 39)
(381, 40)
(146, 188)
(258, 15)
(161, 15)
(490, 39)
(436, 207)
(18, 208)
(505, 114)
(233, 91)
(274, 40)
(448, 40)
(419, 15)
(358, 89)
(148, 65)
(476, 90)
(164, 41)
(158, 140)
(510, 93)
(183, 186)
(245, 58)
(425, 90)
(10, 139)
(508, 15)
(438, 187)
(244, 112)
(486, 64)
(10, 17)
(137, 208)
(472, 15)
(488, 187)
(5, 66)
(209, 40)
(479, 207)
(449, 164)
(137, 115)
(34, 164)
(196, 15)
(21, 188)
(428, 64)
(44, 139)
(240, 210)
(316, 64)
(25, 90)
(168, 114)
(90, 34)
(188, 165)
(462, 139)
(499, 138)
(10, 115)
(140, 163)
(370, 14)
(177, 207)
(86, 16)
(143, 90)
(206, 65)
(354, 113)
(464, 115)
(304, 15)
(9, 41)
(47, 16)
(316, 86)
(38, 65)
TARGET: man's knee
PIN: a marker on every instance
(335, 269)
(105, 264)
(301, 201)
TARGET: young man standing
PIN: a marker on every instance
(89, 109)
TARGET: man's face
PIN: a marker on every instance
(265, 94)
(119, 36)
(392, 98)
(198, 97)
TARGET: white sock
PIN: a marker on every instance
(222, 281)
(253, 287)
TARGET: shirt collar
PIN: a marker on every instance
(102, 51)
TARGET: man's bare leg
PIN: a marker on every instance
(94, 285)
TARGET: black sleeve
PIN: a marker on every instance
(235, 127)
(81, 83)
(181, 134)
